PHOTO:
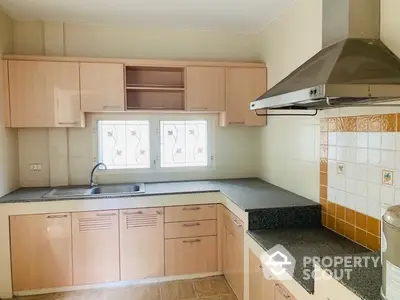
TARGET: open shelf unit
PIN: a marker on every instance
(155, 88)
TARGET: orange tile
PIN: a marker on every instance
(324, 138)
(362, 123)
(398, 122)
(324, 151)
(349, 231)
(350, 124)
(340, 124)
(373, 226)
(324, 204)
(323, 179)
(340, 212)
(323, 125)
(350, 216)
(361, 237)
(373, 242)
(323, 191)
(331, 208)
(324, 220)
(361, 221)
(332, 124)
(389, 123)
(323, 165)
(375, 123)
(331, 222)
(340, 226)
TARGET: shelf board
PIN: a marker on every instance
(154, 88)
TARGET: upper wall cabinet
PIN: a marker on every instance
(243, 85)
(205, 89)
(4, 73)
(44, 94)
(102, 87)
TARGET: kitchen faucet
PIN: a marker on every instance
(92, 184)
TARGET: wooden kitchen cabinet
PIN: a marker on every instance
(102, 87)
(233, 252)
(44, 94)
(205, 89)
(95, 240)
(41, 255)
(142, 243)
(6, 104)
(256, 278)
(243, 85)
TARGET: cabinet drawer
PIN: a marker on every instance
(190, 228)
(190, 255)
(233, 224)
(191, 213)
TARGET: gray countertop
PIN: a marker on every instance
(321, 242)
(249, 194)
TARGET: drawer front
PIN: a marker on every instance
(233, 224)
(191, 213)
(191, 255)
(190, 228)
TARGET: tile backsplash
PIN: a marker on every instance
(359, 174)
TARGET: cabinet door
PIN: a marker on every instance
(4, 74)
(44, 94)
(102, 87)
(243, 85)
(281, 293)
(191, 255)
(256, 278)
(95, 247)
(205, 88)
(142, 243)
(41, 251)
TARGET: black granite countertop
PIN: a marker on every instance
(321, 242)
(250, 194)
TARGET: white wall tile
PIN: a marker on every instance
(374, 192)
(351, 186)
(340, 197)
(332, 178)
(362, 139)
(397, 158)
(341, 153)
(374, 175)
(374, 157)
(388, 159)
(348, 139)
(351, 154)
(374, 208)
(388, 141)
(362, 172)
(351, 170)
(397, 196)
(362, 156)
(341, 182)
(332, 138)
(351, 201)
(396, 178)
(374, 140)
(341, 139)
(361, 204)
(332, 152)
(331, 194)
(387, 194)
(362, 188)
(397, 135)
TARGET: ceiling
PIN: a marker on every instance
(237, 15)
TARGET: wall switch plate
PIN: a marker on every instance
(35, 167)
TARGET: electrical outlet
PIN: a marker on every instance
(35, 167)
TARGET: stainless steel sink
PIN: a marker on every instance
(118, 189)
(109, 190)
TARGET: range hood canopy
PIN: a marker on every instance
(357, 70)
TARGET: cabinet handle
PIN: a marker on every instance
(235, 123)
(57, 216)
(192, 241)
(198, 108)
(192, 208)
(159, 212)
(191, 224)
(106, 214)
(133, 213)
(237, 223)
(68, 123)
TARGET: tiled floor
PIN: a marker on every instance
(211, 288)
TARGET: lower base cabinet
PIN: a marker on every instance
(95, 247)
(191, 255)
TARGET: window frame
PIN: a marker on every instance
(155, 141)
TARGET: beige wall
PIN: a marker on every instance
(8, 137)
(290, 145)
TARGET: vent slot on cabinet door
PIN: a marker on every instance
(137, 220)
(95, 223)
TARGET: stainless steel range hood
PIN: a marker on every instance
(357, 70)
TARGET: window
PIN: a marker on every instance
(183, 143)
(154, 143)
(124, 144)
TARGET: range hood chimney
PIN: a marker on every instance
(353, 68)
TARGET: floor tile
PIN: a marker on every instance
(211, 286)
(178, 290)
(221, 297)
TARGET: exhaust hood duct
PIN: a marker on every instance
(353, 68)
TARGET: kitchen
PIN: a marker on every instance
(214, 202)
